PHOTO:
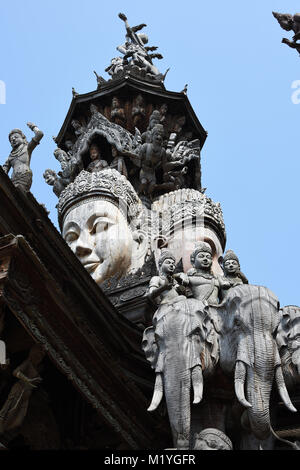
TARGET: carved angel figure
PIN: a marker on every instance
(290, 23)
(135, 48)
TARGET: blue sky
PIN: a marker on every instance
(239, 79)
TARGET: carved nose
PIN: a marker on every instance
(82, 250)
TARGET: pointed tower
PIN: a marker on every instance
(133, 145)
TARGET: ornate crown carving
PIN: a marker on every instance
(185, 204)
(108, 184)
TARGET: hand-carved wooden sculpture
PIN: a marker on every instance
(15, 408)
(97, 164)
(20, 156)
(178, 321)
(290, 23)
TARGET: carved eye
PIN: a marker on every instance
(100, 225)
(71, 237)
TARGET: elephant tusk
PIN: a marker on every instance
(197, 382)
(157, 394)
(239, 381)
(283, 390)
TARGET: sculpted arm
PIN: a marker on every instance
(38, 135)
(156, 288)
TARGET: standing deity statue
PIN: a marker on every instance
(118, 162)
(150, 158)
(20, 156)
(117, 113)
(138, 110)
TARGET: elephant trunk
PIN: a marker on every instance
(259, 388)
(255, 367)
(258, 378)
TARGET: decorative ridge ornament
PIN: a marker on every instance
(108, 183)
(137, 57)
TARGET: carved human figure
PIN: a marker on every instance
(180, 122)
(117, 113)
(212, 439)
(150, 158)
(138, 111)
(116, 66)
(79, 129)
(20, 156)
(232, 270)
(96, 224)
(97, 164)
(163, 113)
(153, 121)
(69, 169)
(135, 49)
(204, 284)
(15, 408)
(118, 162)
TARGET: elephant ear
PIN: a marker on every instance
(288, 334)
(220, 261)
(150, 347)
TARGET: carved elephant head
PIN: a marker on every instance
(288, 340)
(248, 321)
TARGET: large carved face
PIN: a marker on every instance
(99, 235)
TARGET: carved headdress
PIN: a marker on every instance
(106, 184)
(230, 254)
(165, 254)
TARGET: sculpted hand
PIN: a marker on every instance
(31, 125)
(122, 16)
(168, 285)
(182, 278)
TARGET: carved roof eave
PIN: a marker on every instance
(81, 330)
(139, 85)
